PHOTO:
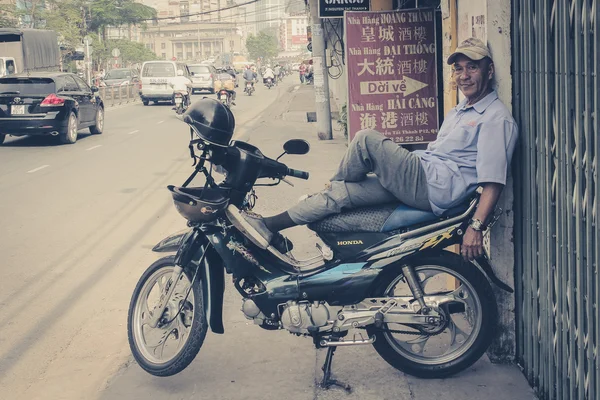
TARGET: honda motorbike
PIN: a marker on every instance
(249, 89)
(269, 83)
(224, 97)
(381, 278)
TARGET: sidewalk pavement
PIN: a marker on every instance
(250, 363)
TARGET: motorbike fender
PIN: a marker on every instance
(486, 266)
(212, 276)
(171, 243)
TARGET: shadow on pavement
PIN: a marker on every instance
(39, 141)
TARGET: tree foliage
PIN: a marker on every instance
(118, 12)
(66, 19)
(8, 16)
(263, 45)
(131, 52)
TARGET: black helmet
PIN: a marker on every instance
(211, 120)
(198, 204)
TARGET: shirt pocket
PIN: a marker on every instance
(464, 135)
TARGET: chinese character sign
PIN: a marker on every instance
(392, 77)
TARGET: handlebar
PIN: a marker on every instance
(297, 173)
(275, 169)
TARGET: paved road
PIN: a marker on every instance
(77, 222)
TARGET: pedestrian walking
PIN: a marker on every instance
(302, 71)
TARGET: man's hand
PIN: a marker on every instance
(472, 245)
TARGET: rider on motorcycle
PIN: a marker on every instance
(268, 74)
(225, 81)
(474, 147)
(249, 75)
(181, 86)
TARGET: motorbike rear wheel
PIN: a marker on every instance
(180, 334)
(470, 324)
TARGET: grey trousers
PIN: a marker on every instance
(374, 171)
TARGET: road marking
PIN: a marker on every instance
(37, 169)
(94, 147)
(132, 132)
(160, 122)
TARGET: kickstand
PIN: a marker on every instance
(327, 380)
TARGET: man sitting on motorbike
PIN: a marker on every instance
(474, 147)
(225, 81)
(249, 75)
(268, 74)
(180, 85)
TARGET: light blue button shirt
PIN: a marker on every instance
(474, 145)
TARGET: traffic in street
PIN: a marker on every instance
(78, 223)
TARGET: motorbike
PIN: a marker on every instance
(269, 83)
(382, 276)
(181, 102)
(249, 89)
(225, 97)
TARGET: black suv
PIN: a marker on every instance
(49, 103)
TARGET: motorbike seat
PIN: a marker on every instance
(385, 218)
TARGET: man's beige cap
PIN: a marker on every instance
(473, 48)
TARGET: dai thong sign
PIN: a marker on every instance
(392, 77)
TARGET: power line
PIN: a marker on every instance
(199, 13)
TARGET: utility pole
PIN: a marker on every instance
(320, 75)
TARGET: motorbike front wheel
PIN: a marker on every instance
(174, 343)
(468, 327)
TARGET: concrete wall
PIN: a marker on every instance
(490, 21)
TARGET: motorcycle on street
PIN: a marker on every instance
(249, 89)
(382, 277)
(269, 83)
(181, 102)
(225, 97)
(181, 97)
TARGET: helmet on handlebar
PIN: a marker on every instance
(211, 120)
(198, 204)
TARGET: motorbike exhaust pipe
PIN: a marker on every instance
(54, 133)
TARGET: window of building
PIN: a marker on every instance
(164, 56)
(163, 46)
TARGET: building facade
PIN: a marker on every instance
(192, 42)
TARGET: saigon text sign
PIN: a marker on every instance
(336, 8)
(392, 77)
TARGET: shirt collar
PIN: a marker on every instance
(481, 105)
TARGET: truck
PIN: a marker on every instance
(28, 50)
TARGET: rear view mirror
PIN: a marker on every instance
(296, 146)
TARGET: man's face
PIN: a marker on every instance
(473, 77)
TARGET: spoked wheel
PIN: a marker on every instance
(466, 327)
(171, 346)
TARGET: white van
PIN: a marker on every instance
(157, 77)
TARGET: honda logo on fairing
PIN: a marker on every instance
(349, 242)
(17, 100)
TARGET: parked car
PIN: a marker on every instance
(121, 76)
(158, 78)
(49, 103)
(202, 77)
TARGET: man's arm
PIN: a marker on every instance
(472, 246)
